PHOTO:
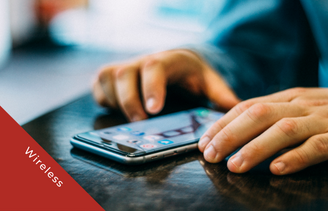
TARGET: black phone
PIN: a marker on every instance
(151, 139)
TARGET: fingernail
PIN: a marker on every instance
(150, 103)
(203, 142)
(280, 166)
(210, 154)
(237, 160)
(136, 118)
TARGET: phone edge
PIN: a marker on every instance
(133, 160)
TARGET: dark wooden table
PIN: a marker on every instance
(185, 182)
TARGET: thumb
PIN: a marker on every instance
(218, 91)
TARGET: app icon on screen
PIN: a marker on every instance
(120, 137)
(124, 129)
(202, 112)
(137, 133)
(165, 142)
(152, 138)
(148, 146)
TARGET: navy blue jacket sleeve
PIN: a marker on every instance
(260, 47)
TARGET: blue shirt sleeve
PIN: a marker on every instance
(260, 47)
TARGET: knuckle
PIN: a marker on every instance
(104, 74)
(121, 71)
(243, 106)
(253, 150)
(297, 90)
(300, 101)
(320, 144)
(151, 62)
(288, 126)
(302, 157)
(259, 111)
(218, 125)
(184, 54)
(227, 138)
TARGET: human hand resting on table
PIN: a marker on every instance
(265, 125)
(117, 86)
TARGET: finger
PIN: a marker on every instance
(221, 123)
(99, 94)
(127, 92)
(238, 110)
(245, 127)
(311, 152)
(106, 82)
(218, 91)
(224, 121)
(153, 82)
(285, 133)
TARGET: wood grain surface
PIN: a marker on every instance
(185, 182)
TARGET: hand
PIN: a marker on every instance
(263, 126)
(117, 86)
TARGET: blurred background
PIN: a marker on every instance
(51, 49)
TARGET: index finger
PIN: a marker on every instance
(153, 82)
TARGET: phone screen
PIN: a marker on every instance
(158, 133)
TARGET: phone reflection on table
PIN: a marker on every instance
(161, 168)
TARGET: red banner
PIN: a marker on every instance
(31, 179)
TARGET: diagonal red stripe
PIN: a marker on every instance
(31, 179)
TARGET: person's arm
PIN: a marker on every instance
(260, 47)
(273, 51)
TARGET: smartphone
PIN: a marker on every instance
(151, 139)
